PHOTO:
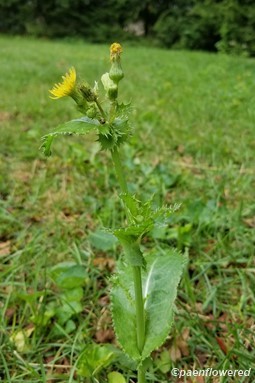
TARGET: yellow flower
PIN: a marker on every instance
(65, 88)
(115, 51)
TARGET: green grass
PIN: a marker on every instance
(194, 118)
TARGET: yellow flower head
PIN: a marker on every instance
(115, 51)
(66, 87)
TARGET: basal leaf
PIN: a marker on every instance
(160, 281)
(78, 126)
(123, 310)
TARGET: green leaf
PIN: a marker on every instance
(93, 359)
(68, 275)
(79, 126)
(123, 310)
(116, 134)
(70, 326)
(144, 216)
(160, 281)
(123, 110)
(132, 203)
(163, 362)
(116, 377)
(108, 141)
(74, 294)
(102, 240)
(67, 310)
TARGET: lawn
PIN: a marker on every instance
(193, 143)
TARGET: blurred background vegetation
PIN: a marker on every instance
(212, 25)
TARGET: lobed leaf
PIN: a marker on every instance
(144, 217)
(117, 133)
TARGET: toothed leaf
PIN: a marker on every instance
(123, 310)
(117, 134)
(144, 214)
(160, 280)
(144, 217)
(78, 126)
(123, 110)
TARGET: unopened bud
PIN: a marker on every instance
(88, 93)
(92, 111)
(116, 72)
(110, 87)
(115, 51)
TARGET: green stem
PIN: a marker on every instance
(101, 109)
(140, 318)
(113, 111)
(119, 171)
(141, 374)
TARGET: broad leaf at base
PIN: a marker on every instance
(160, 284)
(160, 281)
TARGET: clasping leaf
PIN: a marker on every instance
(160, 280)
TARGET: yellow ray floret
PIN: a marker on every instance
(66, 87)
(115, 50)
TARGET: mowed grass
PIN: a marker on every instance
(193, 143)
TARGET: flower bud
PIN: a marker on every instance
(115, 51)
(116, 72)
(88, 93)
(110, 87)
(92, 111)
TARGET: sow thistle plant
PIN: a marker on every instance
(144, 287)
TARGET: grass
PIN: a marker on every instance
(194, 144)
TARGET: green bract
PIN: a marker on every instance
(110, 87)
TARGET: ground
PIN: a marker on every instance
(193, 143)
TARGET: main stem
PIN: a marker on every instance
(140, 318)
(119, 171)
